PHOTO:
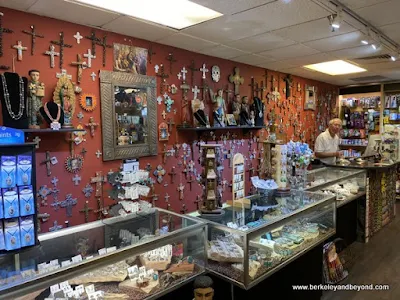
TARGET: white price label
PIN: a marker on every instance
(77, 258)
(102, 251)
(65, 263)
(89, 289)
(111, 249)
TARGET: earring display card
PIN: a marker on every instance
(238, 182)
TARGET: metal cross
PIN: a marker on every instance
(94, 40)
(68, 203)
(171, 60)
(78, 37)
(33, 35)
(3, 30)
(103, 43)
(86, 210)
(170, 124)
(62, 45)
(80, 116)
(180, 189)
(204, 70)
(56, 204)
(150, 53)
(172, 174)
(98, 180)
(76, 179)
(88, 190)
(193, 69)
(54, 181)
(164, 114)
(42, 217)
(190, 180)
(55, 226)
(184, 72)
(98, 153)
(166, 197)
(47, 161)
(89, 57)
(52, 53)
(93, 75)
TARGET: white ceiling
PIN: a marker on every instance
(280, 35)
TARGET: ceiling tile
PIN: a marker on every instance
(259, 43)
(276, 66)
(289, 52)
(392, 31)
(259, 20)
(312, 30)
(72, 12)
(348, 40)
(381, 14)
(222, 52)
(184, 41)
(252, 59)
(135, 28)
(354, 4)
(17, 4)
(357, 52)
(228, 7)
(310, 59)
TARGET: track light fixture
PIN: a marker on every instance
(335, 20)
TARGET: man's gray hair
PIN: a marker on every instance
(334, 120)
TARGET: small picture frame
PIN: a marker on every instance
(163, 134)
(230, 118)
(74, 163)
(310, 98)
(88, 102)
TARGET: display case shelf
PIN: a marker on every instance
(101, 253)
(182, 128)
(49, 130)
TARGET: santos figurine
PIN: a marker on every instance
(35, 95)
(219, 108)
(236, 108)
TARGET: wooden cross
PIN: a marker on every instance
(193, 68)
(83, 152)
(37, 140)
(47, 161)
(33, 37)
(228, 91)
(252, 86)
(101, 211)
(76, 179)
(150, 53)
(166, 197)
(184, 209)
(89, 57)
(164, 114)
(3, 30)
(94, 40)
(79, 64)
(103, 43)
(52, 53)
(92, 125)
(236, 80)
(165, 153)
(19, 49)
(190, 180)
(170, 124)
(230, 157)
(42, 217)
(86, 210)
(62, 45)
(163, 77)
(262, 89)
(198, 201)
(171, 60)
(98, 180)
(78, 37)
(289, 81)
(180, 189)
(172, 174)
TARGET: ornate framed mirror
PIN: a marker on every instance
(128, 115)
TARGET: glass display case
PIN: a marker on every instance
(345, 184)
(246, 245)
(139, 256)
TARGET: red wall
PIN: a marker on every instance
(50, 28)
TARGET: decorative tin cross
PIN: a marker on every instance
(55, 226)
(159, 173)
(56, 204)
(86, 210)
(76, 179)
(54, 181)
(89, 57)
(68, 203)
(88, 190)
(78, 37)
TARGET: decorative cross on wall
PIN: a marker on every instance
(62, 45)
(52, 53)
(19, 49)
(76, 179)
(78, 37)
(2, 30)
(68, 203)
(89, 57)
(55, 226)
(103, 43)
(204, 70)
(33, 35)
(236, 80)
(86, 210)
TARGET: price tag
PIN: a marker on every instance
(63, 284)
(77, 258)
(102, 251)
(89, 257)
(65, 263)
(89, 289)
(54, 288)
(111, 249)
(54, 262)
(80, 289)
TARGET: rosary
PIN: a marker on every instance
(7, 98)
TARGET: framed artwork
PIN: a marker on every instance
(310, 100)
(230, 118)
(88, 102)
(74, 163)
(128, 115)
(163, 134)
(130, 59)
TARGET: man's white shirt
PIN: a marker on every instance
(326, 143)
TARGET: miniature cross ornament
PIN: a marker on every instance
(93, 75)
(64, 73)
(19, 49)
(170, 124)
(68, 203)
(98, 153)
(190, 181)
(52, 53)
(55, 226)
(92, 125)
(164, 114)
(184, 72)
(171, 60)
(204, 70)
(78, 37)
(179, 76)
(166, 197)
(47, 161)
(89, 57)
(180, 189)
(54, 181)
(86, 210)
(98, 180)
(236, 80)
(76, 179)
(195, 91)
(33, 35)
(172, 174)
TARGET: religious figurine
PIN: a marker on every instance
(245, 111)
(35, 95)
(219, 108)
(203, 288)
(198, 112)
(236, 108)
(64, 95)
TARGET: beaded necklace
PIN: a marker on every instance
(7, 98)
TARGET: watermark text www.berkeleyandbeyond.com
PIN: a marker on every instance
(342, 287)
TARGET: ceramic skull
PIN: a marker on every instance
(215, 73)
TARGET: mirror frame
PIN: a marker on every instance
(108, 81)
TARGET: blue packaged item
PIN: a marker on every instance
(11, 203)
(1, 207)
(26, 201)
(12, 234)
(8, 170)
(2, 245)
(24, 170)
(27, 230)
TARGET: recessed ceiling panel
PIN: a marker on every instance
(72, 12)
(138, 29)
(312, 30)
(17, 4)
(184, 41)
(276, 66)
(289, 52)
(381, 14)
(348, 40)
(392, 31)
(228, 7)
(354, 4)
(222, 52)
(310, 59)
(259, 43)
(252, 59)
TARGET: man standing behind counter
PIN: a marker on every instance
(327, 143)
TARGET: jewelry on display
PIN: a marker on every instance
(7, 98)
(8, 179)
(25, 177)
(260, 114)
(55, 125)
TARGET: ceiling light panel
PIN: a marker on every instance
(177, 14)
(336, 67)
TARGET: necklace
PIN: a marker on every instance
(7, 98)
(8, 179)
(55, 125)
(260, 114)
(25, 177)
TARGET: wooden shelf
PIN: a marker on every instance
(17, 145)
(49, 130)
(182, 128)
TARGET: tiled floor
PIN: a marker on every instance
(377, 262)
